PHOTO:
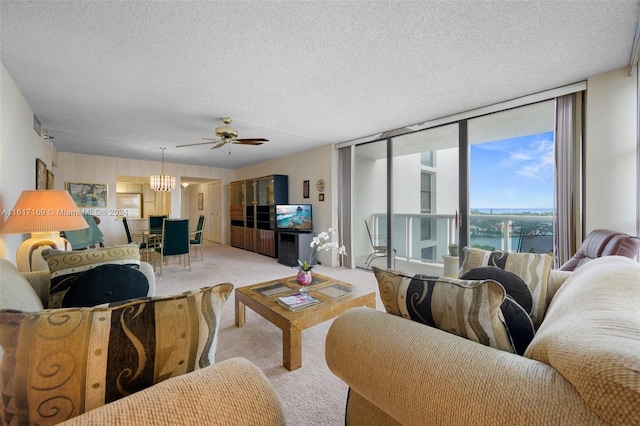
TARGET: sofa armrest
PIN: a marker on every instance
(39, 280)
(229, 392)
(421, 375)
(555, 281)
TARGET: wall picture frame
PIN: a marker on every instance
(50, 179)
(305, 189)
(200, 200)
(88, 194)
(41, 174)
(321, 197)
(37, 127)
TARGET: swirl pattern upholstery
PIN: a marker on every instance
(534, 269)
(60, 363)
(66, 266)
(478, 310)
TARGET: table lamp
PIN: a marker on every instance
(43, 213)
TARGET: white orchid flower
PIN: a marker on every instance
(321, 242)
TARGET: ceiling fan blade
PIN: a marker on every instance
(246, 142)
(219, 145)
(209, 139)
(252, 140)
(199, 143)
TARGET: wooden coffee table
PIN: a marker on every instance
(336, 297)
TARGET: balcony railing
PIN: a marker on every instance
(426, 237)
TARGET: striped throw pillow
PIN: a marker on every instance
(472, 309)
(534, 269)
(59, 363)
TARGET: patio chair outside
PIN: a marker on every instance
(538, 239)
(379, 246)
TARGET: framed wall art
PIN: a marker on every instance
(37, 127)
(200, 200)
(50, 180)
(41, 174)
(88, 194)
(305, 189)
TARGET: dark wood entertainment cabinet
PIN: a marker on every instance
(252, 212)
(293, 246)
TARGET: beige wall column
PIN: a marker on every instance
(611, 152)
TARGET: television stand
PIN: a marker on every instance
(293, 246)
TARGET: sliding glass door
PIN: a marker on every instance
(489, 176)
(424, 195)
(369, 219)
(423, 198)
(511, 179)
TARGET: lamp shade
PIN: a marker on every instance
(44, 210)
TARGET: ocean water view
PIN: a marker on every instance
(495, 242)
(486, 232)
(510, 210)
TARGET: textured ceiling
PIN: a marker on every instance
(125, 78)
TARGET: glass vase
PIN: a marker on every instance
(304, 279)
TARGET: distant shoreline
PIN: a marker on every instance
(507, 210)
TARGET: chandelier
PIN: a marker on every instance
(162, 182)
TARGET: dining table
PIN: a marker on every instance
(149, 239)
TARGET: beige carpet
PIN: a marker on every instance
(311, 395)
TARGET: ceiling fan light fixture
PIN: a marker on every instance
(227, 135)
(226, 132)
(162, 182)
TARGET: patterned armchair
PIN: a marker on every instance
(57, 364)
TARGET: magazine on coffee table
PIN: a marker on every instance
(298, 301)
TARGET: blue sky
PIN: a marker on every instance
(513, 173)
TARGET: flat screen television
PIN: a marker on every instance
(294, 217)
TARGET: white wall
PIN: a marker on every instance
(191, 203)
(611, 152)
(93, 168)
(20, 145)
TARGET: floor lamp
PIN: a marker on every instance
(43, 213)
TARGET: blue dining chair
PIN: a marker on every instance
(155, 222)
(175, 241)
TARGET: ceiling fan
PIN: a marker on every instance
(227, 134)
